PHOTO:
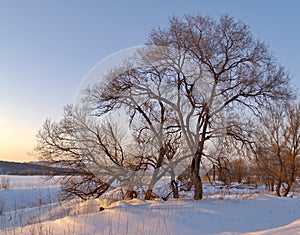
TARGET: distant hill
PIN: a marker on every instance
(18, 168)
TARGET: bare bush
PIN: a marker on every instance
(5, 183)
(2, 204)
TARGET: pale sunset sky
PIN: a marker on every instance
(47, 47)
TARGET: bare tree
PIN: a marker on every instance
(278, 147)
(293, 145)
(234, 72)
(91, 151)
(211, 71)
(153, 125)
(200, 81)
(239, 171)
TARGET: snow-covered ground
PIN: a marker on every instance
(219, 214)
(28, 191)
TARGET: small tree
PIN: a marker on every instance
(279, 147)
(293, 145)
(91, 151)
(239, 171)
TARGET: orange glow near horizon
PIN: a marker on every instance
(16, 142)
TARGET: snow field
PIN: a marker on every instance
(229, 212)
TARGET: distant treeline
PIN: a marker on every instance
(37, 168)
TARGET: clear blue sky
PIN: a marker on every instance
(47, 47)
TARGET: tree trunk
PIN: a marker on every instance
(154, 177)
(287, 190)
(174, 186)
(291, 180)
(195, 167)
(151, 185)
(148, 194)
(272, 182)
(130, 194)
(278, 186)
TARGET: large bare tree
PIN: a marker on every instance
(199, 81)
(210, 71)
